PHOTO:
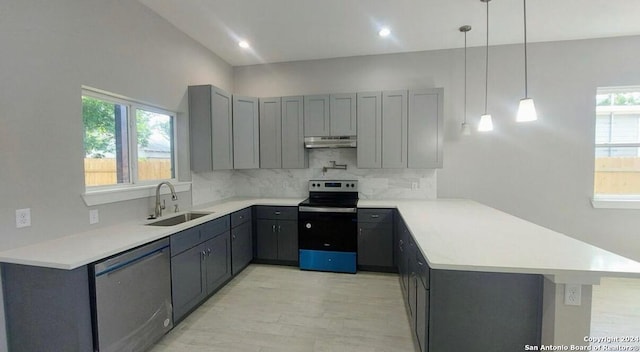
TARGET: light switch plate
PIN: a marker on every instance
(23, 218)
(94, 216)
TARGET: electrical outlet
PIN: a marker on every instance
(94, 216)
(572, 294)
(23, 218)
(415, 185)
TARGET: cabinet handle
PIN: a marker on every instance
(273, 228)
(204, 254)
(277, 212)
(208, 251)
(241, 217)
(233, 237)
(420, 263)
(279, 228)
(375, 216)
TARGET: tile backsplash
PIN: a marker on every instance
(374, 183)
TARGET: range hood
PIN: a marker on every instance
(330, 142)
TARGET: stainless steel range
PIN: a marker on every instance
(328, 226)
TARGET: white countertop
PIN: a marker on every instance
(451, 234)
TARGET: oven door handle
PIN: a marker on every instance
(327, 209)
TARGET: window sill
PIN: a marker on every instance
(621, 202)
(112, 195)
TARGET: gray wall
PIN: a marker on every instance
(541, 171)
(50, 49)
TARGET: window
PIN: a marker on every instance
(126, 142)
(617, 151)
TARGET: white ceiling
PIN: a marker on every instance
(291, 30)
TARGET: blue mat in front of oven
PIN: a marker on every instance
(340, 262)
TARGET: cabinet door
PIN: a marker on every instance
(241, 247)
(394, 125)
(246, 146)
(218, 261)
(375, 244)
(294, 155)
(288, 240)
(187, 280)
(422, 316)
(316, 116)
(270, 133)
(425, 128)
(342, 116)
(266, 239)
(369, 113)
(210, 132)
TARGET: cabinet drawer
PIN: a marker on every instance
(184, 240)
(213, 228)
(240, 217)
(375, 215)
(285, 213)
(422, 269)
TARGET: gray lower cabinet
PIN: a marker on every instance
(246, 133)
(375, 239)
(241, 240)
(465, 310)
(200, 264)
(425, 128)
(277, 234)
(210, 128)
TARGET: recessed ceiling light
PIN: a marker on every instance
(384, 32)
(243, 44)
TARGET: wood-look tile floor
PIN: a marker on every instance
(615, 310)
(276, 308)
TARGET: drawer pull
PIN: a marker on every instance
(375, 216)
(276, 212)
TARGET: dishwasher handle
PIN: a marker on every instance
(117, 266)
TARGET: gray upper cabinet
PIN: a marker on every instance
(425, 128)
(316, 116)
(270, 133)
(246, 147)
(342, 114)
(369, 112)
(294, 155)
(394, 125)
(210, 128)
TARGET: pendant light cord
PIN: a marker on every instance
(486, 71)
(526, 93)
(465, 77)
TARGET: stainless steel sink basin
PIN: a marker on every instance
(178, 219)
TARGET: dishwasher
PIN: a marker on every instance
(132, 299)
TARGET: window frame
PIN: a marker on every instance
(132, 107)
(615, 201)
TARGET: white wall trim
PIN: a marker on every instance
(112, 195)
(621, 202)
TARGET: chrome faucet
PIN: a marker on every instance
(159, 207)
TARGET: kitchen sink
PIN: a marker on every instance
(178, 219)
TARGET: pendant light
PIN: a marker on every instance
(486, 124)
(526, 110)
(466, 129)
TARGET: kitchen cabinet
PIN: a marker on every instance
(425, 128)
(369, 121)
(342, 116)
(394, 125)
(246, 133)
(294, 154)
(241, 240)
(200, 264)
(270, 133)
(330, 115)
(282, 133)
(375, 239)
(210, 128)
(316, 116)
(422, 301)
(277, 234)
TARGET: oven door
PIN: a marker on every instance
(328, 231)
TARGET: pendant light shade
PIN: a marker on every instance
(486, 123)
(465, 128)
(526, 110)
